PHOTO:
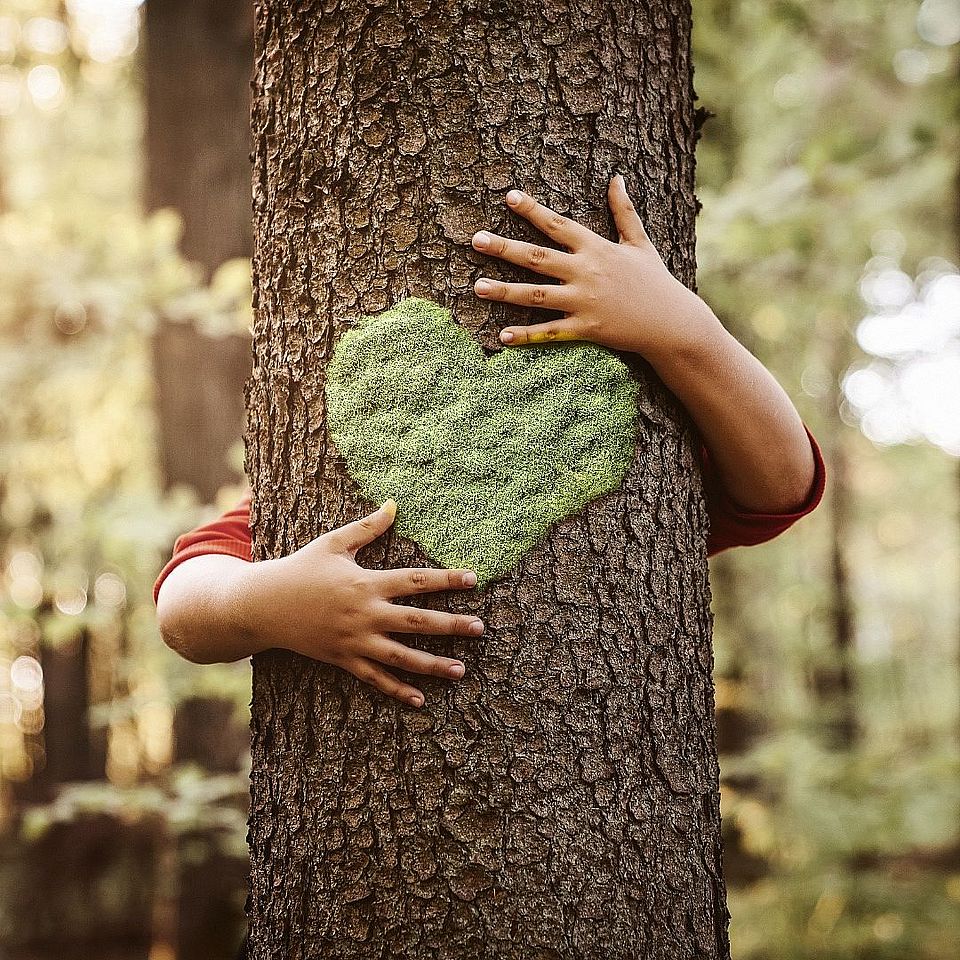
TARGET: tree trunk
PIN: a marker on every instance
(739, 724)
(199, 404)
(199, 61)
(199, 58)
(562, 799)
(73, 753)
(835, 682)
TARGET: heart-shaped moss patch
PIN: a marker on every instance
(482, 456)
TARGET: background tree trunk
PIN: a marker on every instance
(562, 800)
(835, 681)
(199, 57)
(199, 60)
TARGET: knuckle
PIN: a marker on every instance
(593, 286)
(418, 579)
(536, 255)
(596, 273)
(501, 246)
(557, 221)
(359, 580)
(396, 658)
(366, 675)
(537, 295)
(416, 620)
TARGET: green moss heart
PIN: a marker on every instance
(482, 455)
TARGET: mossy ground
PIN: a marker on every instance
(481, 455)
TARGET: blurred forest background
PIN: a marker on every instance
(829, 243)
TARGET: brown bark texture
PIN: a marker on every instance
(562, 800)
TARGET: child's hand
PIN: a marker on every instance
(622, 295)
(619, 295)
(318, 602)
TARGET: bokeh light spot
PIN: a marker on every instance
(45, 86)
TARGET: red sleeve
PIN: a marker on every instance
(733, 526)
(228, 534)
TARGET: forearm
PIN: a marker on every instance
(750, 426)
(199, 610)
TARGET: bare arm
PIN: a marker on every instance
(622, 295)
(198, 614)
(317, 602)
(748, 423)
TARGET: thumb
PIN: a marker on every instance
(628, 221)
(352, 536)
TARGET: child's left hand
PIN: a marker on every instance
(619, 295)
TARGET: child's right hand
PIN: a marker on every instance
(320, 603)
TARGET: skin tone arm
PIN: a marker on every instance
(622, 295)
(318, 602)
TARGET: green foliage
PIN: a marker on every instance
(84, 523)
(482, 456)
(824, 153)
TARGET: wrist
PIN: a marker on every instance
(697, 339)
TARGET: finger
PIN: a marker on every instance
(549, 296)
(352, 536)
(369, 672)
(553, 263)
(395, 618)
(565, 329)
(629, 224)
(406, 582)
(556, 226)
(395, 654)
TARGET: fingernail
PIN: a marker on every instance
(506, 336)
(456, 670)
(417, 701)
(389, 506)
(469, 579)
(476, 628)
(482, 239)
(482, 287)
(619, 177)
(514, 196)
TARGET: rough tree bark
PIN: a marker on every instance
(562, 800)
